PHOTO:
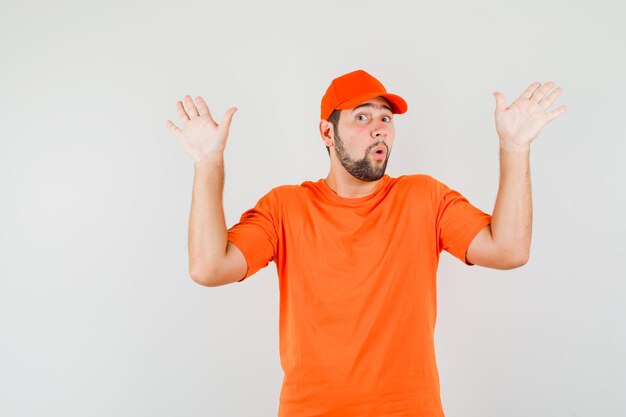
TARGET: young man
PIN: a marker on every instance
(357, 252)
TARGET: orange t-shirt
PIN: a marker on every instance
(357, 279)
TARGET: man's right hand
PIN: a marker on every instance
(202, 138)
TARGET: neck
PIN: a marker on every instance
(346, 186)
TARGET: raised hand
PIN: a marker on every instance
(522, 121)
(201, 137)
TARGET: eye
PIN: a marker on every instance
(359, 116)
(388, 118)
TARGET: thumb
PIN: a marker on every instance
(228, 117)
(500, 102)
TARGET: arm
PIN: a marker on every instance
(207, 225)
(204, 140)
(213, 260)
(505, 243)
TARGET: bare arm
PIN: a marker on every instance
(207, 225)
(205, 141)
(505, 244)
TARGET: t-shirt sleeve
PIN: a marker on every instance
(255, 234)
(457, 221)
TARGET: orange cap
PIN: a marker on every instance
(354, 88)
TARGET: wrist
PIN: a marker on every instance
(512, 146)
(209, 162)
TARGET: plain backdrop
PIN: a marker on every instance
(98, 315)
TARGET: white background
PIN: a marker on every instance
(98, 316)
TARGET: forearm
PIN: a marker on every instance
(511, 222)
(207, 226)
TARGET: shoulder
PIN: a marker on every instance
(286, 194)
(418, 182)
(419, 179)
(285, 191)
(285, 188)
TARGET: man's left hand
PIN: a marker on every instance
(521, 122)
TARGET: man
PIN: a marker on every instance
(357, 252)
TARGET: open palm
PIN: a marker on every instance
(520, 123)
(201, 137)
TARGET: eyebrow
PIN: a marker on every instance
(370, 105)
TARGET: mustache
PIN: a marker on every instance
(378, 144)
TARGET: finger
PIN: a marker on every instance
(228, 117)
(530, 90)
(556, 113)
(500, 101)
(547, 101)
(181, 112)
(204, 109)
(173, 127)
(190, 107)
(541, 92)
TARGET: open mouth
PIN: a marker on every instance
(379, 152)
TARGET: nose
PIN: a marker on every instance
(379, 131)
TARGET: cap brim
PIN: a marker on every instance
(398, 105)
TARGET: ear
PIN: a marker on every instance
(326, 132)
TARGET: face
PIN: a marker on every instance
(363, 129)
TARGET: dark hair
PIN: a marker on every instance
(334, 119)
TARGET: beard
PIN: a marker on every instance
(363, 169)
